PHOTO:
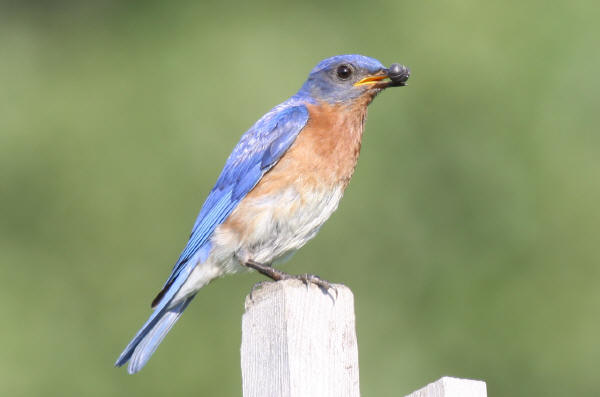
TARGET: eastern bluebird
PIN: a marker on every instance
(282, 181)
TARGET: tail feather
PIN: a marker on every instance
(154, 336)
(147, 339)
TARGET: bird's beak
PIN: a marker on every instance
(373, 79)
(397, 75)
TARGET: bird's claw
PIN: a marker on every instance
(277, 275)
(314, 279)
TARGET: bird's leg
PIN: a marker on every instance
(278, 275)
(267, 270)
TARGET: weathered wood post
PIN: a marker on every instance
(298, 340)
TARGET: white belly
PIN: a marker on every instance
(273, 227)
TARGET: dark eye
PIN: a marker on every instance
(344, 72)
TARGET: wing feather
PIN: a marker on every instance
(257, 152)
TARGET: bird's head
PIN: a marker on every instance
(344, 78)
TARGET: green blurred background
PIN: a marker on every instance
(469, 234)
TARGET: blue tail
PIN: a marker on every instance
(145, 342)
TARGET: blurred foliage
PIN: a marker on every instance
(469, 233)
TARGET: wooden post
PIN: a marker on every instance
(452, 387)
(298, 340)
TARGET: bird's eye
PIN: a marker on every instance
(344, 72)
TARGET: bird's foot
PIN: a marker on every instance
(277, 275)
(314, 279)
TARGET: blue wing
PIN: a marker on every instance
(259, 149)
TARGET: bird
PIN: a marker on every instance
(281, 182)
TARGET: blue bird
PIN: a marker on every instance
(282, 181)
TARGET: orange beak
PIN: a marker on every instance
(371, 80)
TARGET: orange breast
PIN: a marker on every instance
(324, 153)
(318, 164)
